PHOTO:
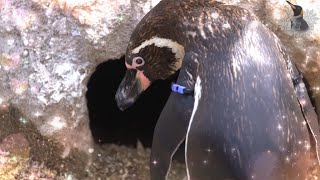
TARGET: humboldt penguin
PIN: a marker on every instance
(297, 21)
(244, 120)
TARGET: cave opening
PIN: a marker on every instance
(108, 124)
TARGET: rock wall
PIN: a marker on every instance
(48, 51)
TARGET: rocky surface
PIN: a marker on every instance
(49, 49)
(26, 155)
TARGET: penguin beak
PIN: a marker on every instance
(292, 6)
(132, 85)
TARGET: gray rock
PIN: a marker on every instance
(51, 48)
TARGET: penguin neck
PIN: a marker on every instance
(300, 16)
(188, 71)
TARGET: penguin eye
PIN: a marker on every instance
(137, 61)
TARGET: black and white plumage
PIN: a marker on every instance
(297, 21)
(244, 121)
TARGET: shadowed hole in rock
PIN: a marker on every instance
(110, 125)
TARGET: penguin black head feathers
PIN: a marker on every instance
(157, 45)
(153, 59)
(297, 10)
(154, 52)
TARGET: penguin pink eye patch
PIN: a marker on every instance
(136, 62)
(145, 82)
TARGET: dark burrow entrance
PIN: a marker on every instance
(110, 125)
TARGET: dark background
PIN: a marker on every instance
(110, 125)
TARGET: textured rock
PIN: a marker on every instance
(14, 154)
(48, 51)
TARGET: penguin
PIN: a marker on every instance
(297, 21)
(244, 120)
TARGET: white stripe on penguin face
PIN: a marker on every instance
(197, 96)
(176, 48)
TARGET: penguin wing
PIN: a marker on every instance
(304, 25)
(200, 151)
(172, 125)
(169, 134)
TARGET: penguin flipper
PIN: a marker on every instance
(304, 26)
(169, 133)
(202, 159)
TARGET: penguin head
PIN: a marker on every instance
(147, 61)
(297, 10)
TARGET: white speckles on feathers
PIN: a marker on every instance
(226, 25)
(192, 34)
(214, 15)
(253, 49)
(189, 75)
(203, 34)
